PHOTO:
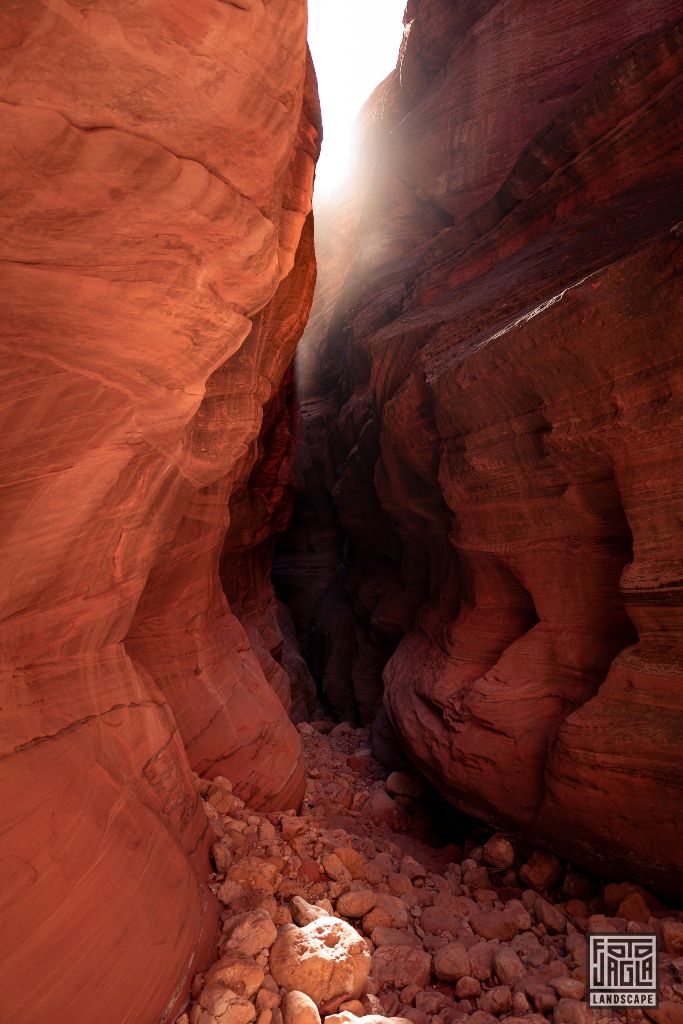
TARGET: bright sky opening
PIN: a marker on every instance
(354, 48)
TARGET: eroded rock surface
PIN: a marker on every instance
(157, 264)
(493, 404)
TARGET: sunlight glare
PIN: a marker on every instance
(354, 46)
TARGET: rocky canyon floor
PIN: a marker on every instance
(345, 911)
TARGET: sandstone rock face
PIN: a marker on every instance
(496, 377)
(157, 268)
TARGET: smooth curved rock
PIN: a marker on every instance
(157, 169)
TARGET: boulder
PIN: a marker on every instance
(325, 959)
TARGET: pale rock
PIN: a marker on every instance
(303, 913)
(372, 1018)
(219, 1005)
(255, 873)
(237, 972)
(325, 959)
(249, 933)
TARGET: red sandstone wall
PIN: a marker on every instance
(505, 422)
(157, 165)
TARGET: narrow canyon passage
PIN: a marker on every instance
(341, 647)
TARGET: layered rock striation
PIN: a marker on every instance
(496, 374)
(158, 267)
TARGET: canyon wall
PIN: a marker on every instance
(491, 386)
(157, 261)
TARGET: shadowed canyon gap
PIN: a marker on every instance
(491, 384)
(486, 556)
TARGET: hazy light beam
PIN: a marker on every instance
(354, 47)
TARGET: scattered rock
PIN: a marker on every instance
(303, 913)
(411, 868)
(405, 784)
(381, 809)
(439, 953)
(237, 972)
(548, 915)
(571, 1011)
(569, 988)
(219, 1005)
(356, 903)
(494, 924)
(634, 908)
(327, 958)
(668, 1012)
(468, 988)
(672, 937)
(496, 1001)
(508, 967)
(499, 853)
(452, 962)
(249, 933)
(542, 871)
(402, 965)
(353, 861)
(298, 1008)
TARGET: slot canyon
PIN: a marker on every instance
(342, 546)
